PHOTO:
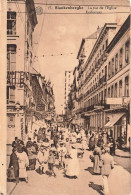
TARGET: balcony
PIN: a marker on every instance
(15, 77)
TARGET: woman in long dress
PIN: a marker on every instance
(23, 163)
(73, 164)
(97, 154)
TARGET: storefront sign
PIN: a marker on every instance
(114, 101)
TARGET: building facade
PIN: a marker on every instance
(30, 97)
(20, 28)
(103, 81)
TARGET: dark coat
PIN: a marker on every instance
(14, 163)
(91, 143)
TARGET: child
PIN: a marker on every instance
(51, 162)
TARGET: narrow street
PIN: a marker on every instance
(87, 183)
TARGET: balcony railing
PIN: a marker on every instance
(17, 77)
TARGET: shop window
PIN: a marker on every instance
(116, 63)
(121, 58)
(11, 57)
(11, 23)
(127, 86)
(120, 88)
(127, 52)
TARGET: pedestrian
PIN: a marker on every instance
(96, 162)
(51, 162)
(61, 153)
(14, 164)
(106, 165)
(29, 143)
(92, 142)
(112, 147)
(15, 142)
(23, 164)
(72, 168)
(31, 151)
(40, 159)
(43, 157)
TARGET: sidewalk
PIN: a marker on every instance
(122, 153)
(10, 187)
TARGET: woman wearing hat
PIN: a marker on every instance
(107, 164)
(14, 164)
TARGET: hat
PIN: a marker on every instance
(45, 144)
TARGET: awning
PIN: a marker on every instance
(113, 120)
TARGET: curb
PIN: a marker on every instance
(13, 188)
(122, 156)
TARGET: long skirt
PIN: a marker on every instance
(22, 170)
(32, 163)
(73, 167)
(96, 164)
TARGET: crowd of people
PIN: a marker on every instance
(61, 147)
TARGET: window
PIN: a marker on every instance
(127, 52)
(109, 70)
(105, 94)
(112, 91)
(120, 88)
(11, 23)
(121, 58)
(116, 63)
(11, 120)
(127, 86)
(11, 57)
(112, 66)
(11, 94)
(109, 92)
(115, 92)
(106, 43)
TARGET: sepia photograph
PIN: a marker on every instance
(65, 97)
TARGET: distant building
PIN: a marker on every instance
(68, 83)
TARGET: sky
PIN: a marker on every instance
(57, 34)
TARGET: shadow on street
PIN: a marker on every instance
(96, 187)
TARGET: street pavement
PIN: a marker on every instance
(86, 184)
